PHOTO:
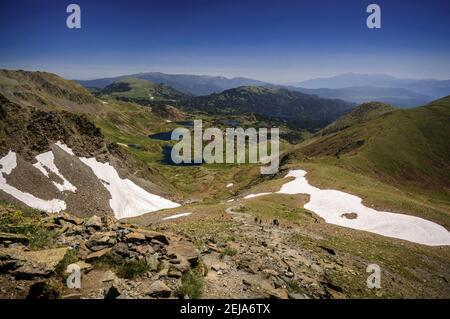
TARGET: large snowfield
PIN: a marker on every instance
(127, 199)
(8, 164)
(335, 207)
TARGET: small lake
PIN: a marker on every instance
(232, 123)
(162, 136)
(186, 123)
(167, 158)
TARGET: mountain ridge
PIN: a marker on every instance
(434, 88)
(186, 83)
(269, 101)
(400, 146)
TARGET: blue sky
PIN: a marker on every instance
(278, 41)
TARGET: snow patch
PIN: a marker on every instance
(8, 164)
(65, 148)
(45, 162)
(332, 204)
(127, 199)
(256, 195)
(177, 216)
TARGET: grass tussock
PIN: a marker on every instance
(191, 285)
(128, 269)
(28, 223)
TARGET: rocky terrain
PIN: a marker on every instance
(121, 260)
(116, 260)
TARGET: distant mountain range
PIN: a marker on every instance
(188, 84)
(363, 94)
(428, 87)
(355, 88)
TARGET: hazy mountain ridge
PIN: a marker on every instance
(429, 87)
(186, 83)
(356, 88)
(363, 94)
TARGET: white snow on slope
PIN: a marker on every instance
(332, 204)
(47, 161)
(65, 148)
(127, 199)
(8, 164)
(177, 216)
(256, 195)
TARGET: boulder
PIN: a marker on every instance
(152, 262)
(174, 272)
(248, 265)
(183, 265)
(10, 259)
(159, 289)
(99, 241)
(143, 249)
(135, 237)
(40, 263)
(184, 249)
(42, 291)
(121, 249)
(109, 222)
(95, 222)
(109, 276)
(13, 238)
(83, 251)
(270, 292)
(63, 217)
(113, 292)
(84, 266)
(98, 254)
(149, 235)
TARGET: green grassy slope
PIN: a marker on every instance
(46, 91)
(397, 146)
(138, 90)
(396, 160)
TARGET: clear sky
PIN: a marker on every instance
(276, 41)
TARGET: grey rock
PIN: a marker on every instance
(95, 222)
(159, 289)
